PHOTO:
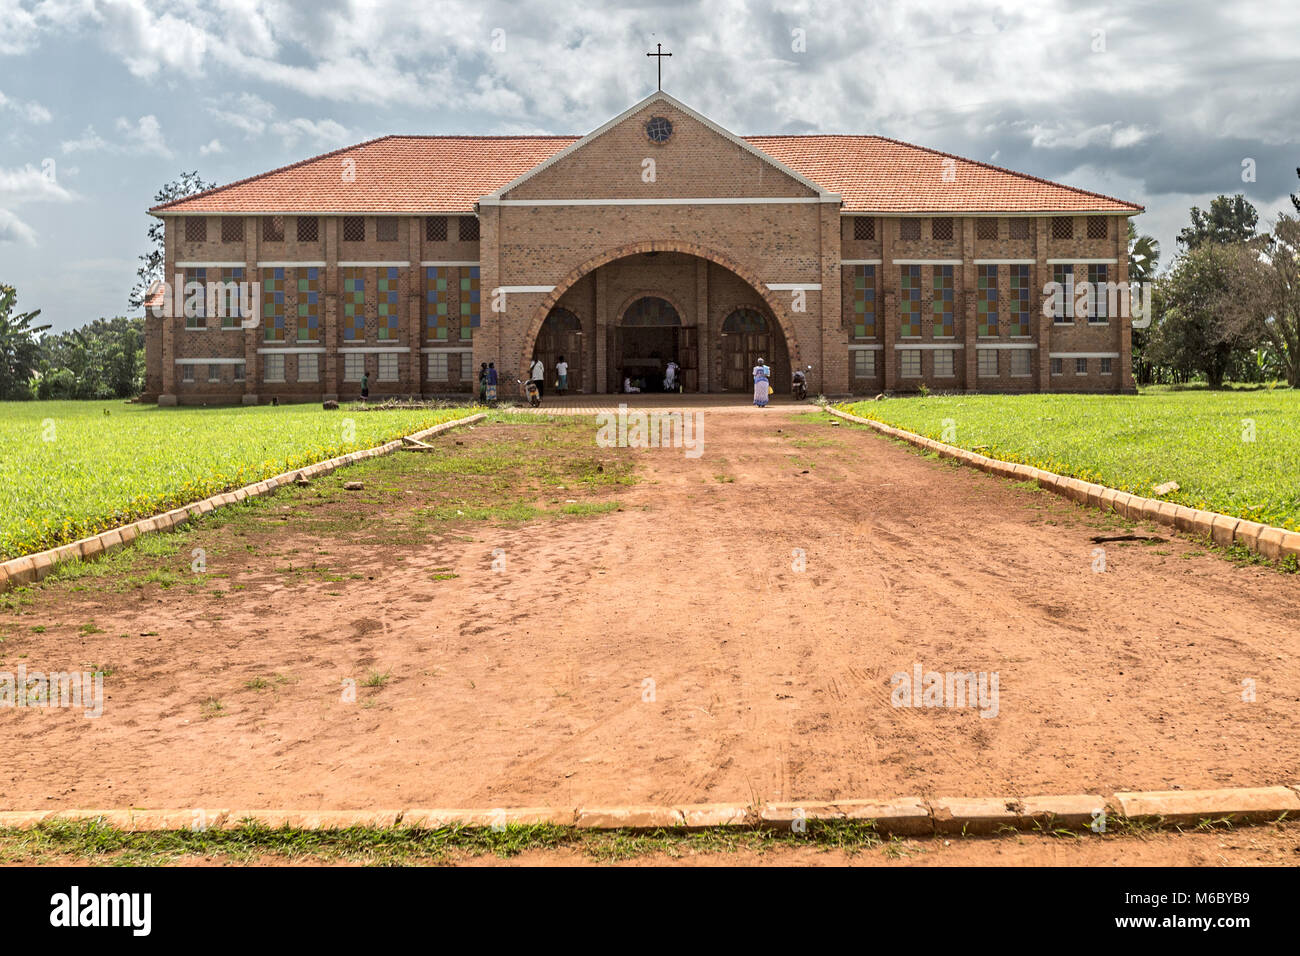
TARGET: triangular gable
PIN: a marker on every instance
(661, 97)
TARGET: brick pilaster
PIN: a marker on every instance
(969, 296)
(887, 289)
(1042, 276)
(330, 372)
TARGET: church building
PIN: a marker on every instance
(659, 237)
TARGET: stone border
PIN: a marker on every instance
(911, 816)
(31, 568)
(1225, 530)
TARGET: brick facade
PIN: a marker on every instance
(703, 221)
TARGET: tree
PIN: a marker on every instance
(1295, 197)
(1202, 327)
(1269, 295)
(1143, 255)
(152, 263)
(1230, 219)
(19, 349)
(104, 359)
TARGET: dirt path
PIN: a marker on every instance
(528, 686)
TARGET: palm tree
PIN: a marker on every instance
(20, 353)
(1143, 255)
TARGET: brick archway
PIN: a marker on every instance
(636, 248)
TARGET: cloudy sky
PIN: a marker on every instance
(102, 101)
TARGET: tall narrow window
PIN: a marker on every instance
(1018, 303)
(435, 302)
(469, 301)
(909, 302)
(1098, 294)
(229, 296)
(1063, 296)
(194, 299)
(864, 302)
(942, 303)
(308, 303)
(354, 304)
(986, 300)
(386, 296)
(273, 305)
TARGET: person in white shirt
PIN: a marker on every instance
(628, 387)
(670, 377)
(538, 374)
(561, 376)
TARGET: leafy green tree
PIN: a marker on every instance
(19, 349)
(1143, 255)
(1202, 328)
(1269, 295)
(153, 262)
(104, 359)
(1230, 219)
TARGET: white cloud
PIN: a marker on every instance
(316, 132)
(30, 110)
(13, 229)
(211, 147)
(27, 184)
(141, 138)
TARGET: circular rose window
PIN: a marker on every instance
(658, 129)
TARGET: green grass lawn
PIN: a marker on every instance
(70, 469)
(1198, 438)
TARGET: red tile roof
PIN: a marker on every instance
(424, 174)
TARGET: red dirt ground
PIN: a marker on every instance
(525, 688)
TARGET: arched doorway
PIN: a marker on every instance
(747, 336)
(649, 335)
(561, 335)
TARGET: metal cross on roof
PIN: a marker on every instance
(660, 63)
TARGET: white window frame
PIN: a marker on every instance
(312, 359)
(905, 357)
(1057, 366)
(269, 363)
(354, 366)
(241, 370)
(949, 356)
(388, 360)
(214, 373)
(439, 367)
(1107, 366)
(985, 356)
(187, 372)
(1021, 355)
(1077, 371)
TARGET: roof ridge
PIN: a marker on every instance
(269, 172)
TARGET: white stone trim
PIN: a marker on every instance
(368, 265)
(291, 350)
(523, 288)
(1006, 345)
(666, 201)
(1004, 262)
(929, 346)
(860, 262)
(1084, 355)
(373, 349)
(1083, 262)
(292, 265)
(210, 361)
(868, 347)
(433, 349)
(925, 262)
(450, 262)
(211, 265)
(794, 286)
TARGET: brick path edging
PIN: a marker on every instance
(912, 816)
(31, 568)
(1225, 530)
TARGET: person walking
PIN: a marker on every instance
(365, 385)
(492, 381)
(561, 376)
(762, 376)
(538, 374)
(482, 383)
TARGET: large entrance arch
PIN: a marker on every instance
(646, 304)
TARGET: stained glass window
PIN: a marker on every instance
(435, 301)
(909, 302)
(273, 305)
(1019, 300)
(864, 302)
(354, 303)
(986, 300)
(231, 293)
(469, 301)
(1063, 307)
(942, 304)
(389, 319)
(199, 304)
(308, 304)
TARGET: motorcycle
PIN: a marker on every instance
(530, 391)
(799, 384)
